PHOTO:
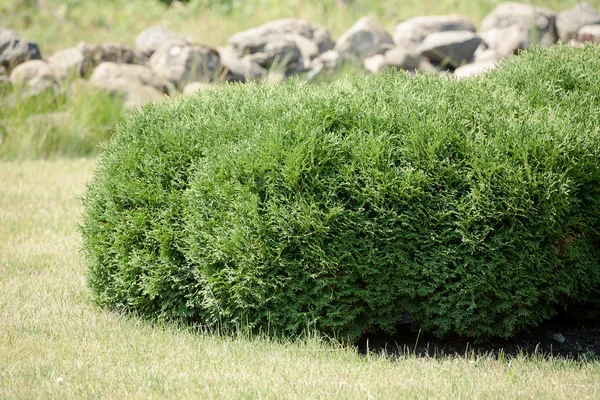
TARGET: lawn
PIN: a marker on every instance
(55, 344)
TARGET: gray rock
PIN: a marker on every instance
(508, 40)
(15, 50)
(375, 64)
(451, 48)
(410, 33)
(327, 63)
(402, 58)
(151, 39)
(83, 58)
(589, 34)
(280, 52)
(36, 76)
(238, 68)
(136, 82)
(475, 69)
(558, 337)
(365, 38)
(570, 21)
(180, 62)
(254, 40)
(484, 54)
(69, 60)
(525, 15)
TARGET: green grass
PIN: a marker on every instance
(49, 330)
(70, 122)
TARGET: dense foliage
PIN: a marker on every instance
(470, 206)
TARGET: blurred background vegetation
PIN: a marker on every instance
(73, 122)
(56, 24)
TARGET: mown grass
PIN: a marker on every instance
(49, 330)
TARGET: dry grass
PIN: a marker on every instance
(48, 330)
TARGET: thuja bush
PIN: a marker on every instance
(469, 206)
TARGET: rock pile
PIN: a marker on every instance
(163, 62)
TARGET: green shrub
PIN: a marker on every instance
(471, 205)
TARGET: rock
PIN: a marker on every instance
(279, 52)
(484, 54)
(323, 40)
(14, 50)
(136, 82)
(238, 68)
(570, 21)
(364, 39)
(426, 66)
(194, 87)
(589, 34)
(83, 58)
(401, 58)
(526, 16)
(451, 48)
(69, 60)
(151, 39)
(474, 69)
(409, 34)
(375, 64)
(308, 49)
(327, 62)
(288, 43)
(36, 76)
(254, 40)
(558, 337)
(507, 41)
(181, 62)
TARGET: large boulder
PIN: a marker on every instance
(151, 39)
(570, 21)
(410, 33)
(589, 34)
(505, 41)
(36, 76)
(15, 50)
(281, 52)
(364, 39)
(239, 68)
(136, 82)
(402, 58)
(83, 58)
(289, 44)
(181, 62)
(254, 40)
(526, 16)
(451, 49)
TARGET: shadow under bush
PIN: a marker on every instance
(469, 206)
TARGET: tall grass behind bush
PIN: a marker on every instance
(471, 206)
(72, 121)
